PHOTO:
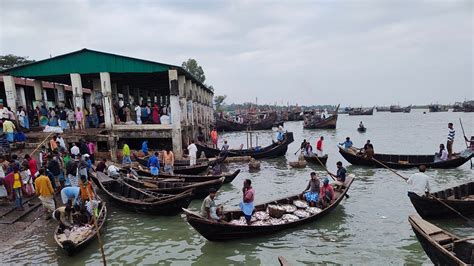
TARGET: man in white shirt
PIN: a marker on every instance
(138, 111)
(113, 170)
(75, 150)
(192, 149)
(419, 182)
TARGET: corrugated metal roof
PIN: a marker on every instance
(87, 61)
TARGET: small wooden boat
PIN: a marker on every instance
(382, 109)
(70, 246)
(220, 231)
(200, 189)
(460, 198)
(130, 198)
(316, 122)
(362, 111)
(191, 170)
(441, 246)
(405, 161)
(263, 124)
(434, 108)
(398, 109)
(228, 177)
(144, 161)
(274, 150)
(362, 129)
(314, 159)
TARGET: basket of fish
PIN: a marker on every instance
(313, 210)
(261, 216)
(289, 218)
(275, 211)
(301, 214)
(240, 221)
(300, 204)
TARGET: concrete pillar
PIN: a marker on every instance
(10, 91)
(60, 92)
(96, 95)
(175, 113)
(38, 86)
(76, 84)
(114, 92)
(106, 88)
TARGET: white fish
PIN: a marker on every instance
(289, 208)
(301, 204)
(301, 213)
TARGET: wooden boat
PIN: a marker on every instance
(263, 124)
(228, 177)
(382, 109)
(398, 109)
(407, 109)
(133, 199)
(441, 246)
(220, 231)
(461, 198)
(312, 159)
(405, 161)
(200, 189)
(190, 170)
(362, 111)
(70, 247)
(144, 161)
(274, 150)
(362, 129)
(434, 108)
(316, 122)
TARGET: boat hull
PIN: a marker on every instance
(265, 124)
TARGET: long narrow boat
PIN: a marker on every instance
(316, 122)
(274, 150)
(314, 159)
(228, 177)
(461, 198)
(190, 170)
(362, 129)
(220, 231)
(405, 161)
(263, 124)
(441, 246)
(133, 199)
(200, 189)
(144, 161)
(75, 245)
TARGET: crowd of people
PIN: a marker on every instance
(141, 114)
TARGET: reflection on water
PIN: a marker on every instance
(370, 227)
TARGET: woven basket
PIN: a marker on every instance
(275, 211)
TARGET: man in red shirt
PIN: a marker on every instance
(326, 194)
(319, 147)
(32, 165)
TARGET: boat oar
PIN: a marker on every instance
(393, 171)
(464, 134)
(297, 150)
(330, 174)
(94, 219)
(31, 154)
(469, 221)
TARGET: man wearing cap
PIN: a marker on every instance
(209, 209)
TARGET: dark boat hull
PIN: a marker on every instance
(225, 125)
(414, 160)
(272, 151)
(170, 206)
(190, 170)
(430, 208)
(193, 178)
(312, 159)
(440, 245)
(215, 231)
(362, 112)
(362, 129)
(328, 123)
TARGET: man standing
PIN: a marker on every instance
(319, 147)
(32, 165)
(91, 147)
(75, 150)
(45, 191)
(71, 119)
(247, 200)
(126, 154)
(55, 169)
(303, 146)
(138, 112)
(62, 118)
(154, 165)
(224, 149)
(209, 209)
(168, 159)
(419, 182)
(450, 142)
(145, 147)
(214, 138)
(9, 130)
(192, 149)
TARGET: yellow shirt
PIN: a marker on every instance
(43, 186)
(16, 180)
(8, 126)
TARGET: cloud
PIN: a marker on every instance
(306, 52)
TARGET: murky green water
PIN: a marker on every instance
(370, 227)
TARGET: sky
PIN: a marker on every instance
(361, 52)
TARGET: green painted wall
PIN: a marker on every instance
(87, 62)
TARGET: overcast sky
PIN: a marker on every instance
(308, 52)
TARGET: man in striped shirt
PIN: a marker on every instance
(451, 134)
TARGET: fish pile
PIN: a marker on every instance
(280, 214)
(76, 234)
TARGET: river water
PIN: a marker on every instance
(370, 227)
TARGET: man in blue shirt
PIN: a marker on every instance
(70, 193)
(347, 144)
(145, 147)
(154, 164)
